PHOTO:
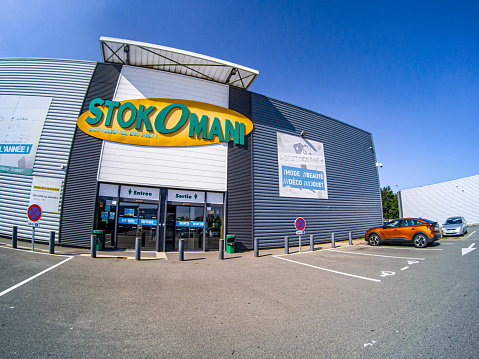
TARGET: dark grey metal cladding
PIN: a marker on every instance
(81, 182)
(239, 215)
(354, 200)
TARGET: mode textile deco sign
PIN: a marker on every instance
(163, 122)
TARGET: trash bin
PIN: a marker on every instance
(100, 239)
(230, 243)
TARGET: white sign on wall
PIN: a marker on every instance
(186, 196)
(302, 167)
(46, 193)
(21, 124)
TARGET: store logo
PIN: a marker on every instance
(163, 122)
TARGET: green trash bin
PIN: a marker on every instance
(100, 239)
(230, 243)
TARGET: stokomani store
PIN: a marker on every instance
(166, 144)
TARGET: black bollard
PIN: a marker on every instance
(138, 248)
(93, 246)
(286, 245)
(14, 236)
(181, 250)
(222, 248)
(256, 246)
(350, 239)
(311, 243)
(51, 243)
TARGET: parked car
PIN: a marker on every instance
(418, 231)
(454, 226)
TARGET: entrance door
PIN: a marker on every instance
(187, 223)
(214, 227)
(137, 219)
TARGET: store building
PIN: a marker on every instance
(166, 144)
(439, 201)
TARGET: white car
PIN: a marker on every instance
(454, 226)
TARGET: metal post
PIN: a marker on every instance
(138, 248)
(222, 248)
(181, 250)
(93, 246)
(33, 237)
(256, 246)
(299, 244)
(51, 243)
(333, 242)
(14, 236)
(286, 245)
(350, 239)
(311, 243)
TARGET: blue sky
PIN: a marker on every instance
(408, 72)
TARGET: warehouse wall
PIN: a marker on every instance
(65, 82)
(81, 184)
(354, 200)
(440, 201)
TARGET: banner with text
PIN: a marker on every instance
(302, 167)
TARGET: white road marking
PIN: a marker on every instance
(468, 249)
(470, 234)
(378, 255)
(329, 270)
(409, 248)
(36, 275)
(407, 267)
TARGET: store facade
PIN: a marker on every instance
(164, 150)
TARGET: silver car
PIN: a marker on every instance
(454, 226)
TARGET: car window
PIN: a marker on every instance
(393, 224)
(454, 221)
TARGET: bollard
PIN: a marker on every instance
(181, 250)
(93, 246)
(350, 239)
(333, 243)
(33, 238)
(311, 243)
(51, 243)
(222, 248)
(14, 236)
(299, 244)
(138, 248)
(256, 246)
(286, 245)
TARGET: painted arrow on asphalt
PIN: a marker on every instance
(468, 249)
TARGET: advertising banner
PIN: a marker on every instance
(46, 193)
(21, 124)
(302, 167)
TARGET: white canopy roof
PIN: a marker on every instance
(187, 63)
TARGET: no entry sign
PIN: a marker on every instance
(300, 224)
(34, 212)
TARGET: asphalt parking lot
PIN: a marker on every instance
(350, 301)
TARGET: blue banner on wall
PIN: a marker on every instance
(295, 177)
(122, 220)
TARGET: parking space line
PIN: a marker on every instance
(404, 248)
(329, 270)
(36, 275)
(377, 255)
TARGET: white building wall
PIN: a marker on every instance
(439, 201)
(196, 167)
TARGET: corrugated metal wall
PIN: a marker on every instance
(239, 216)
(196, 167)
(440, 201)
(80, 188)
(354, 202)
(66, 82)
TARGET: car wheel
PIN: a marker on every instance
(420, 241)
(374, 240)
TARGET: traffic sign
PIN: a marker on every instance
(300, 224)
(34, 212)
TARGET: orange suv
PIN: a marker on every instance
(419, 231)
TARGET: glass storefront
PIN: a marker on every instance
(124, 217)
